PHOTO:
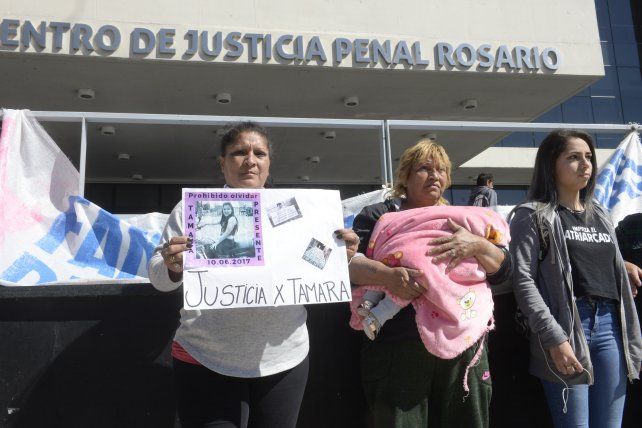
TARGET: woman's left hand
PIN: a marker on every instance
(351, 239)
(460, 245)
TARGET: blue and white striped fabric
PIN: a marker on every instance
(619, 182)
(48, 233)
(51, 235)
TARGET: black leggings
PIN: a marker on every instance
(209, 399)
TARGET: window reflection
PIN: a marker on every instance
(630, 81)
(617, 97)
(620, 12)
(608, 85)
(626, 54)
(577, 110)
(606, 110)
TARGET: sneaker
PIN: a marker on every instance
(371, 326)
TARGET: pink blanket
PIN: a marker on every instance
(457, 307)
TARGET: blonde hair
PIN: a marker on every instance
(421, 152)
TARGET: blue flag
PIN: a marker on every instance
(619, 182)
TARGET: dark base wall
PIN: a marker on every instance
(98, 356)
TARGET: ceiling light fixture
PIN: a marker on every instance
(86, 94)
(329, 135)
(314, 159)
(351, 101)
(108, 130)
(123, 156)
(223, 98)
(137, 177)
(470, 104)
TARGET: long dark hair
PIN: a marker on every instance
(225, 219)
(543, 186)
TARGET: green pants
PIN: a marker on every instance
(407, 387)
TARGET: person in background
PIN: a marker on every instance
(483, 195)
(584, 332)
(629, 238)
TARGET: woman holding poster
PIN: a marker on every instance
(404, 383)
(234, 367)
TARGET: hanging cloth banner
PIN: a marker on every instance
(49, 234)
(619, 182)
(353, 206)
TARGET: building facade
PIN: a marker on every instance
(98, 355)
(460, 60)
(616, 98)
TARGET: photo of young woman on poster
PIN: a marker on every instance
(219, 232)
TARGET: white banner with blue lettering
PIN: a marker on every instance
(49, 234)
(353, 206)
(619, 182)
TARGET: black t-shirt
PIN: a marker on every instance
(592, 254)
(629, 238)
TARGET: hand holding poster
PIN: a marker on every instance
(263, 247)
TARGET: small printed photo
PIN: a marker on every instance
(284, 211)
(224, 230)
(317, 253)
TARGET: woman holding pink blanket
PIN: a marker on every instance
(412, 375)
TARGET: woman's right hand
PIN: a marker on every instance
(564, 359)
(401, 282)
(172, 252)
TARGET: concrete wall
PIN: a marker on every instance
(569, 26)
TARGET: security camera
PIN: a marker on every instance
(123, 156)
(470, 104)
(108, 130)
(351, 101)
(137, 177)
(223, 98)
(304, 178)
(314, 159)
(86, 94)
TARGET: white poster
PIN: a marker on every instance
(263, 247)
